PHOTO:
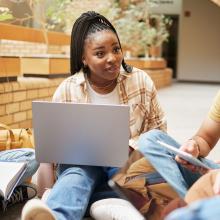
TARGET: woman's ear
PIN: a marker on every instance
(83, 60)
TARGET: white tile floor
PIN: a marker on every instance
(186, 105)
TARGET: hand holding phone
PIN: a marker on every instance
(184, 155)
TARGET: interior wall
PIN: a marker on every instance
(199, 41)
(166, 7)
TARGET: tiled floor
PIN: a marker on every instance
(186, 105)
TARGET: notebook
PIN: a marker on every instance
(82, 134)
(10, 175)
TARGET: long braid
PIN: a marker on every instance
(88, 23)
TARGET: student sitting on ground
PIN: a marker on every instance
(99, 75)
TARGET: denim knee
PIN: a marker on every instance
(64, 169)
(153, 135)
(85, 172)
(17, 155)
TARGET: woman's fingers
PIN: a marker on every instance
(191, 167)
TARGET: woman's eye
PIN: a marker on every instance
(99, 54)
(117, 49)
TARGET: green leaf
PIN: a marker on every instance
(5, 17)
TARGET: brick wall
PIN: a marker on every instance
(16, 97)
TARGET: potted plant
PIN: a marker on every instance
(5, 14)
(130, 22)
(137, 29)
(157, 33)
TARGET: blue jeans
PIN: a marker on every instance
(201, 210)
(176, 175)
(73, 189)
(21, 155)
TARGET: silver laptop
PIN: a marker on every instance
(82, 134)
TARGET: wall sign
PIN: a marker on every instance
(166, 6)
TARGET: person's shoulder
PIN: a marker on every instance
(71, 82)
(69, 88)
(141, 75)
(77, 78)
(140, 72)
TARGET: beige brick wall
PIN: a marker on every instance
(16, 97)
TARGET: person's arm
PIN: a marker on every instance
(202, 142)
(207, 136)
(154, 117)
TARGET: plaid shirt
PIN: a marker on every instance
(135, 89)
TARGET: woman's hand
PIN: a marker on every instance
(192, 148)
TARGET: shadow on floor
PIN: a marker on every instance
(12, 213)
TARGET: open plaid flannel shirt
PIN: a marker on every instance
(135, 89)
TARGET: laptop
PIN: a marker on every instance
(81, 134)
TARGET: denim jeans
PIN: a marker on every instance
(73, 189)
(176, 175)
(201, 210)
(21, 155)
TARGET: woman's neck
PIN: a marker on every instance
(103, 88)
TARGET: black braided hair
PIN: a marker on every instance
(88, 23)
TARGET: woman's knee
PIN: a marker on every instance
(18, 155)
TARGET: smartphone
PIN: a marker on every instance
(184, 155)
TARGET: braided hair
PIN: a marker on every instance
(88, 23)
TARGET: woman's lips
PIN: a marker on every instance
(113, 69)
